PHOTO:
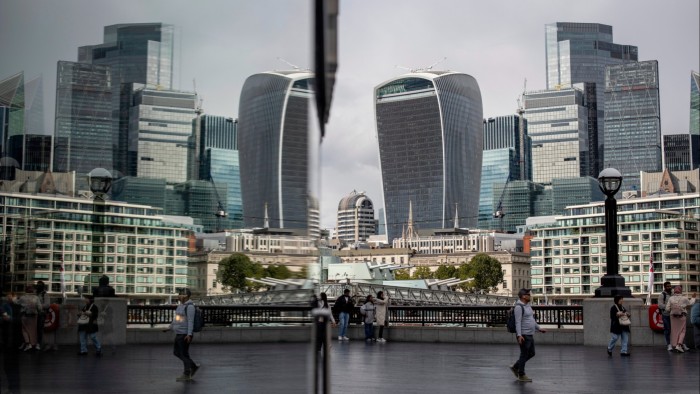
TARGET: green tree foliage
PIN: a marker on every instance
(234, 269)
(422, 273)
(445, 271)
(485, 271)
(302, 274)
(278, 272)
(402, 274)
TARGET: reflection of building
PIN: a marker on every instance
(144, 257)
(632, 120)
(273, 144)
(355, 222)
(695, 103)
(568, 256)
(681, 182)
(430, 135)
(84, 121)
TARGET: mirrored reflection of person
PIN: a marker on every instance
(30, 309)
(677, 306)
(617, 330)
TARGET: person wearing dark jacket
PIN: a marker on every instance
(344, 305)
(90, 329)
(104, 289)
(617, 330)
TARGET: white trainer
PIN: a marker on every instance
(340, 338)
(346, 339)
(670, 348)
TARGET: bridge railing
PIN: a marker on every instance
(250, 315)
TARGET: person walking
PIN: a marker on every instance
(30, 309)
(344, 305)
(89, 328)
(617, 329)
(6, 322)
(666, 316)
(382, 314)
(104, 289)
(695, 321)
(677, 307)
(368, 313)
(44, 305)
(182, 326)
(525, 327)
(322, 303)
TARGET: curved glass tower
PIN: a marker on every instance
(273, 146)
(429, 127)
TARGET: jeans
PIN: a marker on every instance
(696, 335)
(343, 321)
(369, 330)
(181, 350)
(527, 351)
(667, 328)
(83, 341)
(625, 341)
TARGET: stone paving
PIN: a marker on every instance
(357, 367)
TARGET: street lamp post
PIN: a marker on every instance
(612, 283)
(100, 181)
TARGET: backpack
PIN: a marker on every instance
(676, 310)
(198, 319)
(510, 319)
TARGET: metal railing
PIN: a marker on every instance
(280, 315)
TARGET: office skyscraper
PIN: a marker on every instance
(579, 52)
(273, 144)
(139, 55)
(84, 123)
(215, 158)
(11, 109)
(430, 134)
(633, 121)
(680, 151)
(558, 126)
(506, 158)
(695, 103)
(355, 221)
(160, 126)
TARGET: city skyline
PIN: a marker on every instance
(240, 39)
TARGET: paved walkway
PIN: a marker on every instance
(357, 367)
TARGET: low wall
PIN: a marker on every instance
(355, 332)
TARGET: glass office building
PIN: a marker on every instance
(355, 220)
(499, 168)
(430, 134)
(579, 52)
(274, 149)
(223, 169)
(139, 55)
(160, 126)
(557, 123)
(681, 152)
(84, 120)
(11, 109)
(633, 120)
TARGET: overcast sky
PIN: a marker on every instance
(222, 42)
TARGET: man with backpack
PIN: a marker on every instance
(183, 326)
(367, 311)
(525, 327)
(666, 316)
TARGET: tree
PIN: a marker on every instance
(485, 271)
(278, 272)
(234, 269)
(402, 274)
(301, 274)
(445, 271)
(422, 273)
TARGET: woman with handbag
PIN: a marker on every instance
(87, 326)
(619, 327)
(677, 306)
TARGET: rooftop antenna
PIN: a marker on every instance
(198, 110)
(294, 66)
(419, 69)
(521, 98)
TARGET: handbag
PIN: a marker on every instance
(624, 319)
(83, 319)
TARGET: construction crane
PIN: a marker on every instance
(220, 211)
(499, 213)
